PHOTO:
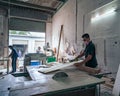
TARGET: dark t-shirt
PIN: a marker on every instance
(90, 50)
(14, 54)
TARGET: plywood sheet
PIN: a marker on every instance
(57, 67)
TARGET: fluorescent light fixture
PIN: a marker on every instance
(24, 0)
(107, 13)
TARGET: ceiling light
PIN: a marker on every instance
(107, 13)
(24, 0)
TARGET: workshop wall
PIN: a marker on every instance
(85, 8)
(79, 12)
(66, 16)
(106, 34)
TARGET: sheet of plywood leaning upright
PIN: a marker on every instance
(116, 88)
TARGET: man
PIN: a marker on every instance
(14, 57)
(89, 64)
(47, 46)
(39, 50)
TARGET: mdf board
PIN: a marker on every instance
(57, 66)
(100, 52)
(112, 53)
(116, 88)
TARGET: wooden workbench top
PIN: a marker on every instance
(43, 83)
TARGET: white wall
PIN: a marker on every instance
(30, 42)
(66, 16)
(106, 34)
(49, 33)
(101, 32)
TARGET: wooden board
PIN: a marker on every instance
(57, 66)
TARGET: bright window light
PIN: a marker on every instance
(107, 13)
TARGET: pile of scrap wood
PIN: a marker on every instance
(109, 82)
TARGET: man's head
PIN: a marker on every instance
(47, 43)
(11, 47)
(86, 38)
(39, 48)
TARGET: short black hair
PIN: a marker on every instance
(86, 35)
(10, 46)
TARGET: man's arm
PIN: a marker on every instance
(89, 57)
(10, 54)
(81, 54)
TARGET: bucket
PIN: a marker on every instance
(35, 62)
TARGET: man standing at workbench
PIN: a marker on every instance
(14, 57)
(89, 64)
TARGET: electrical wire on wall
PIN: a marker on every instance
(83, 23)
(76, 21)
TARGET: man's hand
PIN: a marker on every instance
(84, 61)
(72, 60)
(76, 59)
(78, 64)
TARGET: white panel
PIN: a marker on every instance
(57, 66)
(23, 42)
(116, 88)
(113, 53)
(100, 53)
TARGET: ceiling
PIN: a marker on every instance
(48, 6)
(46, 3)
(42, 8)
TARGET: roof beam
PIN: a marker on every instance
(28, 5)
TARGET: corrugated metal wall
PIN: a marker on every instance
(26, 25)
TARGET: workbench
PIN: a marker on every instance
(78, 83)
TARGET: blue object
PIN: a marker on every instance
(34, 63)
